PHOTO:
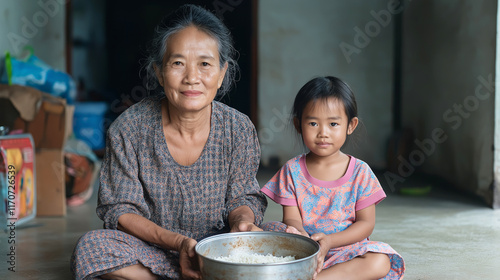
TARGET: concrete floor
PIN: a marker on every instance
(443, 235)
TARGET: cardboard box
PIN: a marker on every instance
(51, 192)
(49, 125)
(49, 120)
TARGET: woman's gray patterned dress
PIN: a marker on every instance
(140, 176)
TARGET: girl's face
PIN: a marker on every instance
(191, 73)
(324, 126)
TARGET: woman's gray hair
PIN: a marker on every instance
(185, 16)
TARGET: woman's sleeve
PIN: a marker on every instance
(120, 190)
(369, 190)
(243, 188)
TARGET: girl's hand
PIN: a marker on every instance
(291, 229)
(324, 247)
(188, 260)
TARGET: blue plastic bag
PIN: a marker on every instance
(35, 73)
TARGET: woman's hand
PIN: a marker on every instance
(242, 226)
(324, 247)
(242, 219)
(146, 230)
(188, 260)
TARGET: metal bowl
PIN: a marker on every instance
(263, 242)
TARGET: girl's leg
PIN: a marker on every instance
(368, 266)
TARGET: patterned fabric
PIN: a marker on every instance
(103, 251)
(330, 206)
(139, 175)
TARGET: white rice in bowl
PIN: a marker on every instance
(254, 258)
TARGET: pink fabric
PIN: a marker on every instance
(373, 199)
(325, 206)
(327, 184)
(279, 200)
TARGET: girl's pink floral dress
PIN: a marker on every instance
(330, 206)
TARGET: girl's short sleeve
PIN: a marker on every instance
(369, 191)
(281, 187)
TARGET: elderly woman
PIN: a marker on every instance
(178, 166)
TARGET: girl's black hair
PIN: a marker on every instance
(321, 88)
(192, 15)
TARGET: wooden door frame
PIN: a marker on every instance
(255, 69)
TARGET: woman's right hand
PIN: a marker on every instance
(188, 260)
(146, 230)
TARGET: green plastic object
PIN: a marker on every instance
(8, 67)
(415, 191)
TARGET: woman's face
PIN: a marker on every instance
(191, 73)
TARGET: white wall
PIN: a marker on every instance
(299, 40)
(448, 79)
(38, 23)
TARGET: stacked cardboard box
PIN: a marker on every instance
(49, 120)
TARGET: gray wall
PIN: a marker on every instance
(448, 77)
(448, 80)
(36, 23)
(299, 40)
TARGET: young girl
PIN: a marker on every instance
(330, 196)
